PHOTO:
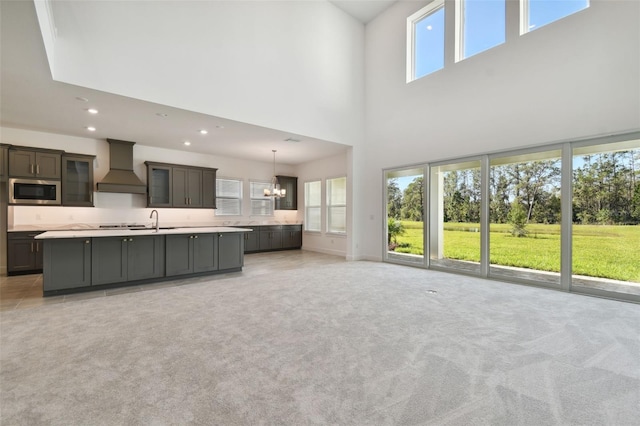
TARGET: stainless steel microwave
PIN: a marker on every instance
(33, 191)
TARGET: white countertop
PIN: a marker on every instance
(91, 233)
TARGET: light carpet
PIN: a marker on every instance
(356, 343)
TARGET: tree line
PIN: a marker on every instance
(606, 190)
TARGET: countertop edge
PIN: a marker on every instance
(97, 233)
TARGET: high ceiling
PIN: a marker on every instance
(31, 99)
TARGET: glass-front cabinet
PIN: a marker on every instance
(77, 180)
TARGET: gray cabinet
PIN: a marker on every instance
(67, 263)
(34, 164)
(77, 180)
(191, 253)
(270, 237)
(24, 253)
(252, 240)
(187, 187)
(209, 189)
(291, 236)
(173, 185)
(230, 250)
(120, 259)
(290, 200)
(4, 163)
(159, 187)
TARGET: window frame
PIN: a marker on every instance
(424, 12)
(525, 14)
(219, 209)
(271, 210)
(460, 28)
(307, 222)
(329, 205)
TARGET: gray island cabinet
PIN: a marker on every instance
(88, 260)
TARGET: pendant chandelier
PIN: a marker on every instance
(274, 189)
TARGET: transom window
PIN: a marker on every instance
(537, 13)
(480, 25)
(425, 41)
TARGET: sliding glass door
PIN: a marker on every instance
(525, 217)
(606, 218)
(455, 216)
(405, 212)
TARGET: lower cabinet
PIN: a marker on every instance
(270, 237)
(291, 236)
(230, 250)
(251, 241)
(189, 254)
(67, 263)
(85, 262)
(24, 253)
(273, 237)
(120, 259)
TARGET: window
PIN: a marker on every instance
(260, 205)
(312, 206)
(537, 13)
(425, 35)
(480, 25)
(228, 197)
(337, 205)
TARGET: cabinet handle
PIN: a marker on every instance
(31, 168)
(130, 239)
(31, 247)
(124, 239)
(37, 169)
(191, 237)
(86, 241)
(37, 247)
(195, 236)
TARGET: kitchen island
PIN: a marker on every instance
(85, 260)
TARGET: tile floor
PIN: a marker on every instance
(25, 291)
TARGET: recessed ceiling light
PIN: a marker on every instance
(92, 111)
(203, 132)
(187, 143)
(162, 114)
(91, 128)
(81, 99)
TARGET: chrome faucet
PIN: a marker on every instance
(157, 220)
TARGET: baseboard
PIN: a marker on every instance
(326, 251)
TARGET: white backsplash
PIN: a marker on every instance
(130, 209)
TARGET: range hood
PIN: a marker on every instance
(121, 178)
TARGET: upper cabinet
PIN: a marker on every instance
(290, 200)
(34, 164)
(187, 187)
(173, 185)
(77, 180)
(4, 163)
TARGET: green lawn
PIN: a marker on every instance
(598, 250)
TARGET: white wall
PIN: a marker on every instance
(131, 208)
(326, 168)
(295, 66)
(574, 78)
